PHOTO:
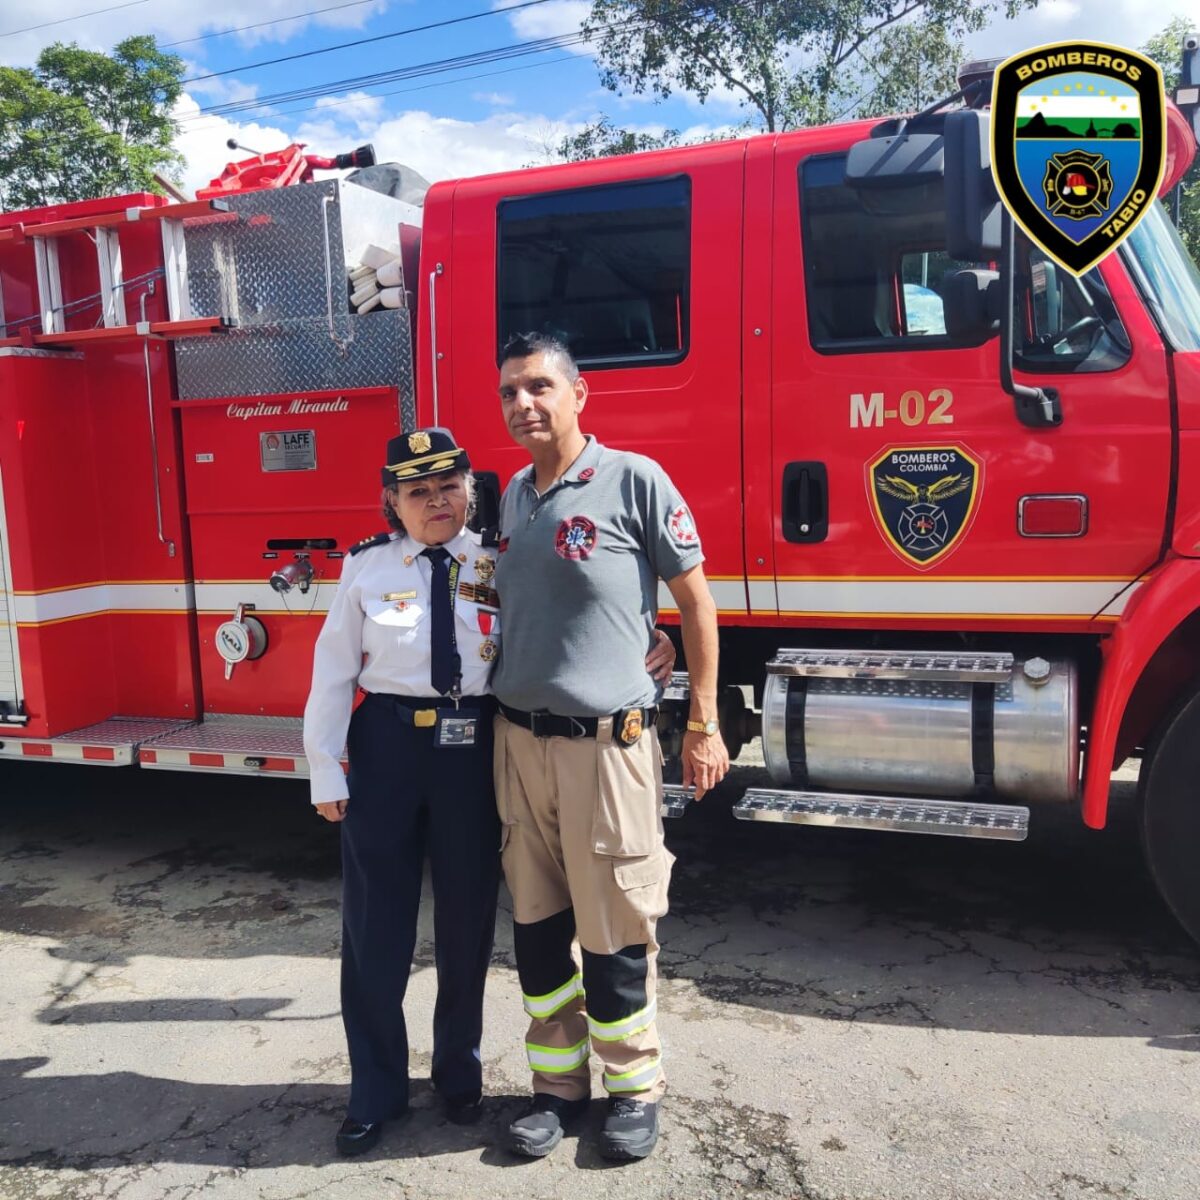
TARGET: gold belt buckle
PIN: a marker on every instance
(424, 718)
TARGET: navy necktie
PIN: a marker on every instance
(444, 660)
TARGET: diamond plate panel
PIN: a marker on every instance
(300, 356)
(277, 264)
(279, 736)
(123, 731)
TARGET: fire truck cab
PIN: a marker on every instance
(948, 492)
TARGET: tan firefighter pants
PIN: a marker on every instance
(584, 859)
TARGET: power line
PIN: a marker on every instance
(312, 12)
(419, 70)
(423, 87)
(77, 17)
(382, 37)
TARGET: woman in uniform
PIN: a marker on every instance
(415, 624)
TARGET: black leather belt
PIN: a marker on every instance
(421, 711)
(546, 724)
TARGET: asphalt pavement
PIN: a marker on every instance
(846, 1015)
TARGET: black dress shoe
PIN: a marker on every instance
(630, 1129)
(464, 1110)
(355, 1137)
(540, 1127)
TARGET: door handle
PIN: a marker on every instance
(805, 502)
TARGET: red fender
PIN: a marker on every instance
(1167, 596)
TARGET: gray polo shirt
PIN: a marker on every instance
(578, 574)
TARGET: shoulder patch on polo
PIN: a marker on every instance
(378, 540)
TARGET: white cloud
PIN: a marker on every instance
(1121, 22)
(552, 19)
(169, 21)
(1058, 12)
(495, 99)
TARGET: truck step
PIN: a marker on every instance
(676, 798)
(111, 743)
(894, 664)
(232, 745)
(951, 818)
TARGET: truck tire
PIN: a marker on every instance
(1169, 801)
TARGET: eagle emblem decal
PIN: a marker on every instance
(923, 498)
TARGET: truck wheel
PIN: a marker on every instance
(1170, 812)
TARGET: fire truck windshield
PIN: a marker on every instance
(1168, 277)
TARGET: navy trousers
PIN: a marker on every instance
(408, 799)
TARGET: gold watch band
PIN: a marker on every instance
(705, 727)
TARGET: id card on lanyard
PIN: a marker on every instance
(455, 726)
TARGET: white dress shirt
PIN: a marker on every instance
(377, 637)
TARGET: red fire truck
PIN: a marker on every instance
(949, 493)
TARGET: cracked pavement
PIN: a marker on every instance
(847, 1016)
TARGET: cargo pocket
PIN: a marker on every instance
(628, 819)
(641, 897)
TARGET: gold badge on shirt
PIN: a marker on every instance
(485, 568)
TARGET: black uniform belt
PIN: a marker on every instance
(421, 711)
(547, 724)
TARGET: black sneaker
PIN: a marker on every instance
(540, 1127)
(630, 1129)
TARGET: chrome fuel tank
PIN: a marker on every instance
(915, 726)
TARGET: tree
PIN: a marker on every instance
(604, 139)
(1166, 49)
(787, 63)
(82, 124)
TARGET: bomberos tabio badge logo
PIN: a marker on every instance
(1078, 146)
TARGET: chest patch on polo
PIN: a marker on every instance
(576, 538)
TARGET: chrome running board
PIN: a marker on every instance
(950, 818)
(676, 798)
(982, 667)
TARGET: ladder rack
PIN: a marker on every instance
(103, 230)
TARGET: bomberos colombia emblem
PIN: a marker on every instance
(923, 498)
(1078, 146)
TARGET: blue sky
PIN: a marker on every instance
(481, 118)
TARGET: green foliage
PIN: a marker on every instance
(83, 124)
(1166, 50)
(604, 139)
(788, 63)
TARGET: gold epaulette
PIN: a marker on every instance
(377, 540)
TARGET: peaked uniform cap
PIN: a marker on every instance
(423, 452)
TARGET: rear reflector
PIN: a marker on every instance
(100, 753)
(38, 750)
(1052, 516)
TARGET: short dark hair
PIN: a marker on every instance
(522, 345)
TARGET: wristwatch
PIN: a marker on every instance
(708, 728)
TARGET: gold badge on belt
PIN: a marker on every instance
(631, 729)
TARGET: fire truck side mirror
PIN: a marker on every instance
(486, 519)
(973, 209)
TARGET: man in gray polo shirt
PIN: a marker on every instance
(586, 534)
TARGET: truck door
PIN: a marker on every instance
(635, 261)
(906, 493)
